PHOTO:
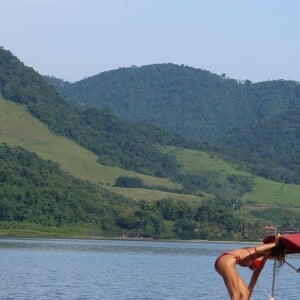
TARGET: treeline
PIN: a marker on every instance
(36, 191)
(209, 221)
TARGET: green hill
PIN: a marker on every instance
(114, 142)
(20, 128)
(277, 139)
(192, 102)
(264, 191)
(185, 192)
(35, 191)
(260, 118)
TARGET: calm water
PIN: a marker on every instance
(101, 269)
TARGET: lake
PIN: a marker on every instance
(110, 269)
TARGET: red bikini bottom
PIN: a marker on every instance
(237, 258)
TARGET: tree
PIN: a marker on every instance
(129, 182)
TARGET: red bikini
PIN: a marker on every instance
(237, 258)
(255, 264)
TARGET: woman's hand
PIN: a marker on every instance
(264, 248)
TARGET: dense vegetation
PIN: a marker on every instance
(130, 146)
(115, 142)
(284, 169)
(260, 118)
(277, 140)
(192, 102)
(135, 182)
(38, 192)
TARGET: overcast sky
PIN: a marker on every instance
(73, 39)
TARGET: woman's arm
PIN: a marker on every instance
(262, 248)
(253, 280)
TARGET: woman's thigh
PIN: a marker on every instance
(232, 281)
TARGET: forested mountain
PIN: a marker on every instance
(192, 102)
(115, 142)
(39, 192)
(259, 118)
(276, 138)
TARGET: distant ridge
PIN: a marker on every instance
(260, 118)
(192, 102)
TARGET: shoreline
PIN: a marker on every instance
(127, 239)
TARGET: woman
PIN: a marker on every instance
(252, 257)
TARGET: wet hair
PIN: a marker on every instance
(278, 252)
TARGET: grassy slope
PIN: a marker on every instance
(264, 192)
(150, 194)
(19, 128)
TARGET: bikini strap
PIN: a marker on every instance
(251, 254)
(237, 257)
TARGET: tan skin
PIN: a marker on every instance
(225, 266)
